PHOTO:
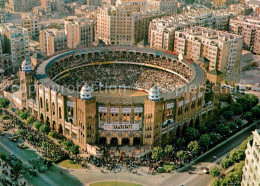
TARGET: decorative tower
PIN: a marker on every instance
(153, 117)
(86, 111)
(26, 81)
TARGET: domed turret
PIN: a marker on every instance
(26, 66)
(154, 94)
(86, 92)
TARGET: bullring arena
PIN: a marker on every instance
(118, 95)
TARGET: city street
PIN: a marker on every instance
(51, 177)
(76, 177)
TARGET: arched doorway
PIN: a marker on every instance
(178, 132)
(60, 131)
(114, 142)
(197, 121)
(41, 117)
(125, 141)
(48, 121)
(103, 140)
(191, 123)
(184, 127)
(137, 141)
(54, 127)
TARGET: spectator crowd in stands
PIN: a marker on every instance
(136, 76)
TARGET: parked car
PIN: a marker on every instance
(13, 139)
(21, 145)
(206, 170)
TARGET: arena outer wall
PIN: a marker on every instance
(117, 120)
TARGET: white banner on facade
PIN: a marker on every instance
(138, 109)
(200, 94)
(126, 110)
(170, 105)
(193, 97)
(180, 103)
(70, 103)
(114, 110)
(121, 126)
(187, 101)
(102, 109)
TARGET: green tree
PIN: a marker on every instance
(60, 129)
(2, 156)
(181, 155)
(236, 108)
(4, 102)
(217, 182)
(24, 115)
(238, 168)
(204, 141)
(225, 163)
(22, 132)
(37, 125)
(256, 112)
(230, 179)
(232, 125)
(194, 147)
(29, 138)
(44, 128)
(180, 142)
(248, 116)
(75, 149)
(17, 167)
(214, 171)
(67, 145)
(44, 145)
(222, 129)
(228, 115)
(192, 134)
(202, 128)
(4, 117)
(157, 153)
(30, 120)
(236, 155)
(239, 122)
(168, 149)
(214, 137)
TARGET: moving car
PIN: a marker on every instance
(2, 133)
(206, 170)
(4, 129)
(21, 145)
(15, 136)
(13, 139)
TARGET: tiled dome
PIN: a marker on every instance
(86, 92)
(26, 66)
(154, 94)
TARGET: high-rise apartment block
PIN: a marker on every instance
(162, 31)
(222, 49)
(30, 22)
(118, 26)
(52, 41)
(163, 5)
(94, 3)
(16, 43)
(250, 29)
(80, 32)
(251, 170)
(132, 5)
(21, 5)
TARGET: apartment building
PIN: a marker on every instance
(16, 44)
(52, 41)
(94, 3)
(220, 3)
(249, 28)
(30, 22)
(222, 49)
(118, 26)
(251, 170)
(21, 5)
(169, 6)
(161, 30)
(132, 5)
(2, 16)
(80, 32)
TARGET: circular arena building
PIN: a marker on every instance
(119, 95)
